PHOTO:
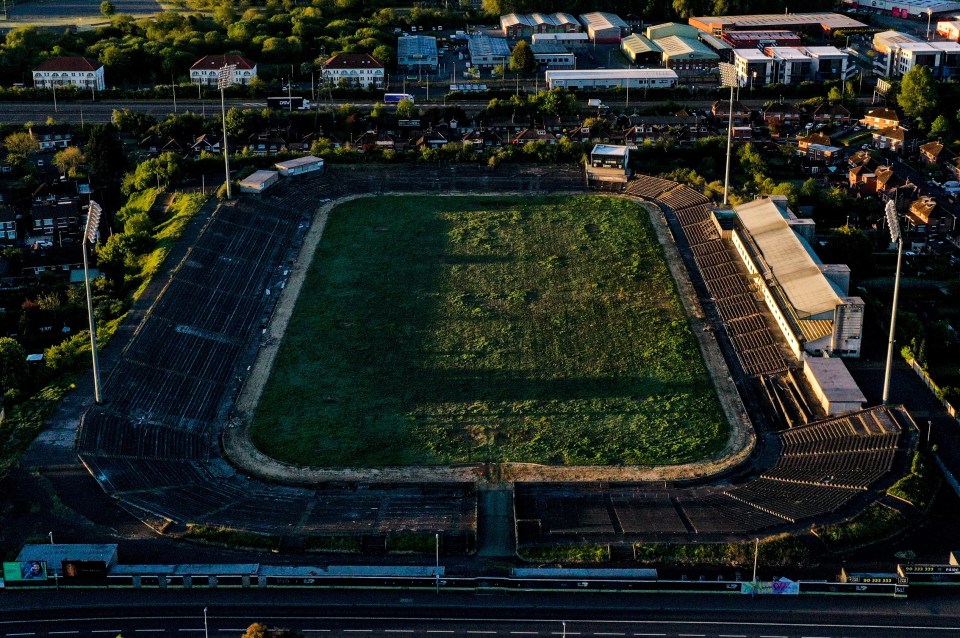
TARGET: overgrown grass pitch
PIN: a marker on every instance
(437, 330)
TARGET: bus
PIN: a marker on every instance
(395, 98)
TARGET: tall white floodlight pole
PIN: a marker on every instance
(728, 78)
(893, 221)
(225, 79)
(90, 236)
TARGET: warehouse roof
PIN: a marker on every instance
(54, 555)
(482, 45)
(671, 28)
(674, 46)
(637, 44)
(714, 42)
(603, 20)
(632, 74)
(416, 46)
(759, 21)
(798, 275)
(549, 48)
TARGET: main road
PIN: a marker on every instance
(364, 614)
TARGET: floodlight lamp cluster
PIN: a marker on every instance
(225, 76)
(893, 221)
(728, 75)
(93, 222)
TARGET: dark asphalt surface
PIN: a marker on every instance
(32, 10)
(381, 614)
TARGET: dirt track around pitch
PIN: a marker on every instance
(239, 447)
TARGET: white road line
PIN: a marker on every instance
(656, 635)
(357, 631)
(733, 636)
(314, 630)
(601, 633)
(439, 631)
(525, 633)
(23, 634)
(398, 631)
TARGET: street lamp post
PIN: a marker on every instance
(436, 571)
(728, 78)
(90, 236)
(206, 630)
(893, 222)
(225, 79)
(756, 555)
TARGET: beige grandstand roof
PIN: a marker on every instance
(798, 275)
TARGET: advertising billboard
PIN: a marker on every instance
(30, 570)
(781, 587)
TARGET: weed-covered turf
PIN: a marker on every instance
(452, 329)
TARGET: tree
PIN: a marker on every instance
(406, 109)
(69, 160)
(383, 54)
(135, 123)
(849, 245)
(13, 365)
(918, 92)
(941, 127)
(522, 60)
(20, 146)
(104, 152)
(107, 8)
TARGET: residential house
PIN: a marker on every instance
(534, 135)
(154, 146)
(266, 142)
(206, 70)
(863, 178)
(832, 114)
(928, 217)
(483, 139)
(931, 152)
(778, 115)
(59, 259)
(887, 179)
(75, 71)
(356, 69)
(804, 142)
(206, 143)
(53, 215)
(741, 113)
(8, 225)
(374, 140)
(880, 118)
(52, 136)
(891, 138)
(429, 139)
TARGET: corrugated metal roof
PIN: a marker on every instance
(801, 280)
(637, 44)
(675, 47)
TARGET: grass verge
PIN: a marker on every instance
(572, 554)
(435, 330)
(166, 235)
(874, 524)
(775, 551)
(25, 420)
(920, 485)
(231, 537)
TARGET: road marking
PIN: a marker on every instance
(398, 631)
(357, 631)
(733, 636)
(601, 633)
(527, 633)
(481, 632)
(24, 634)
(655, 635)
(439, 631)
(314, 630)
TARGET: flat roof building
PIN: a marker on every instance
(553, 55)
(487, 52)
(833, 385)
(604, 27)
(299, 166)
(417, 53)
(909, 8)
(755, 39)
(609, 163)
(824, 23)
(259, 181)
(612, 78)
(573, 41)
(56, 555)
